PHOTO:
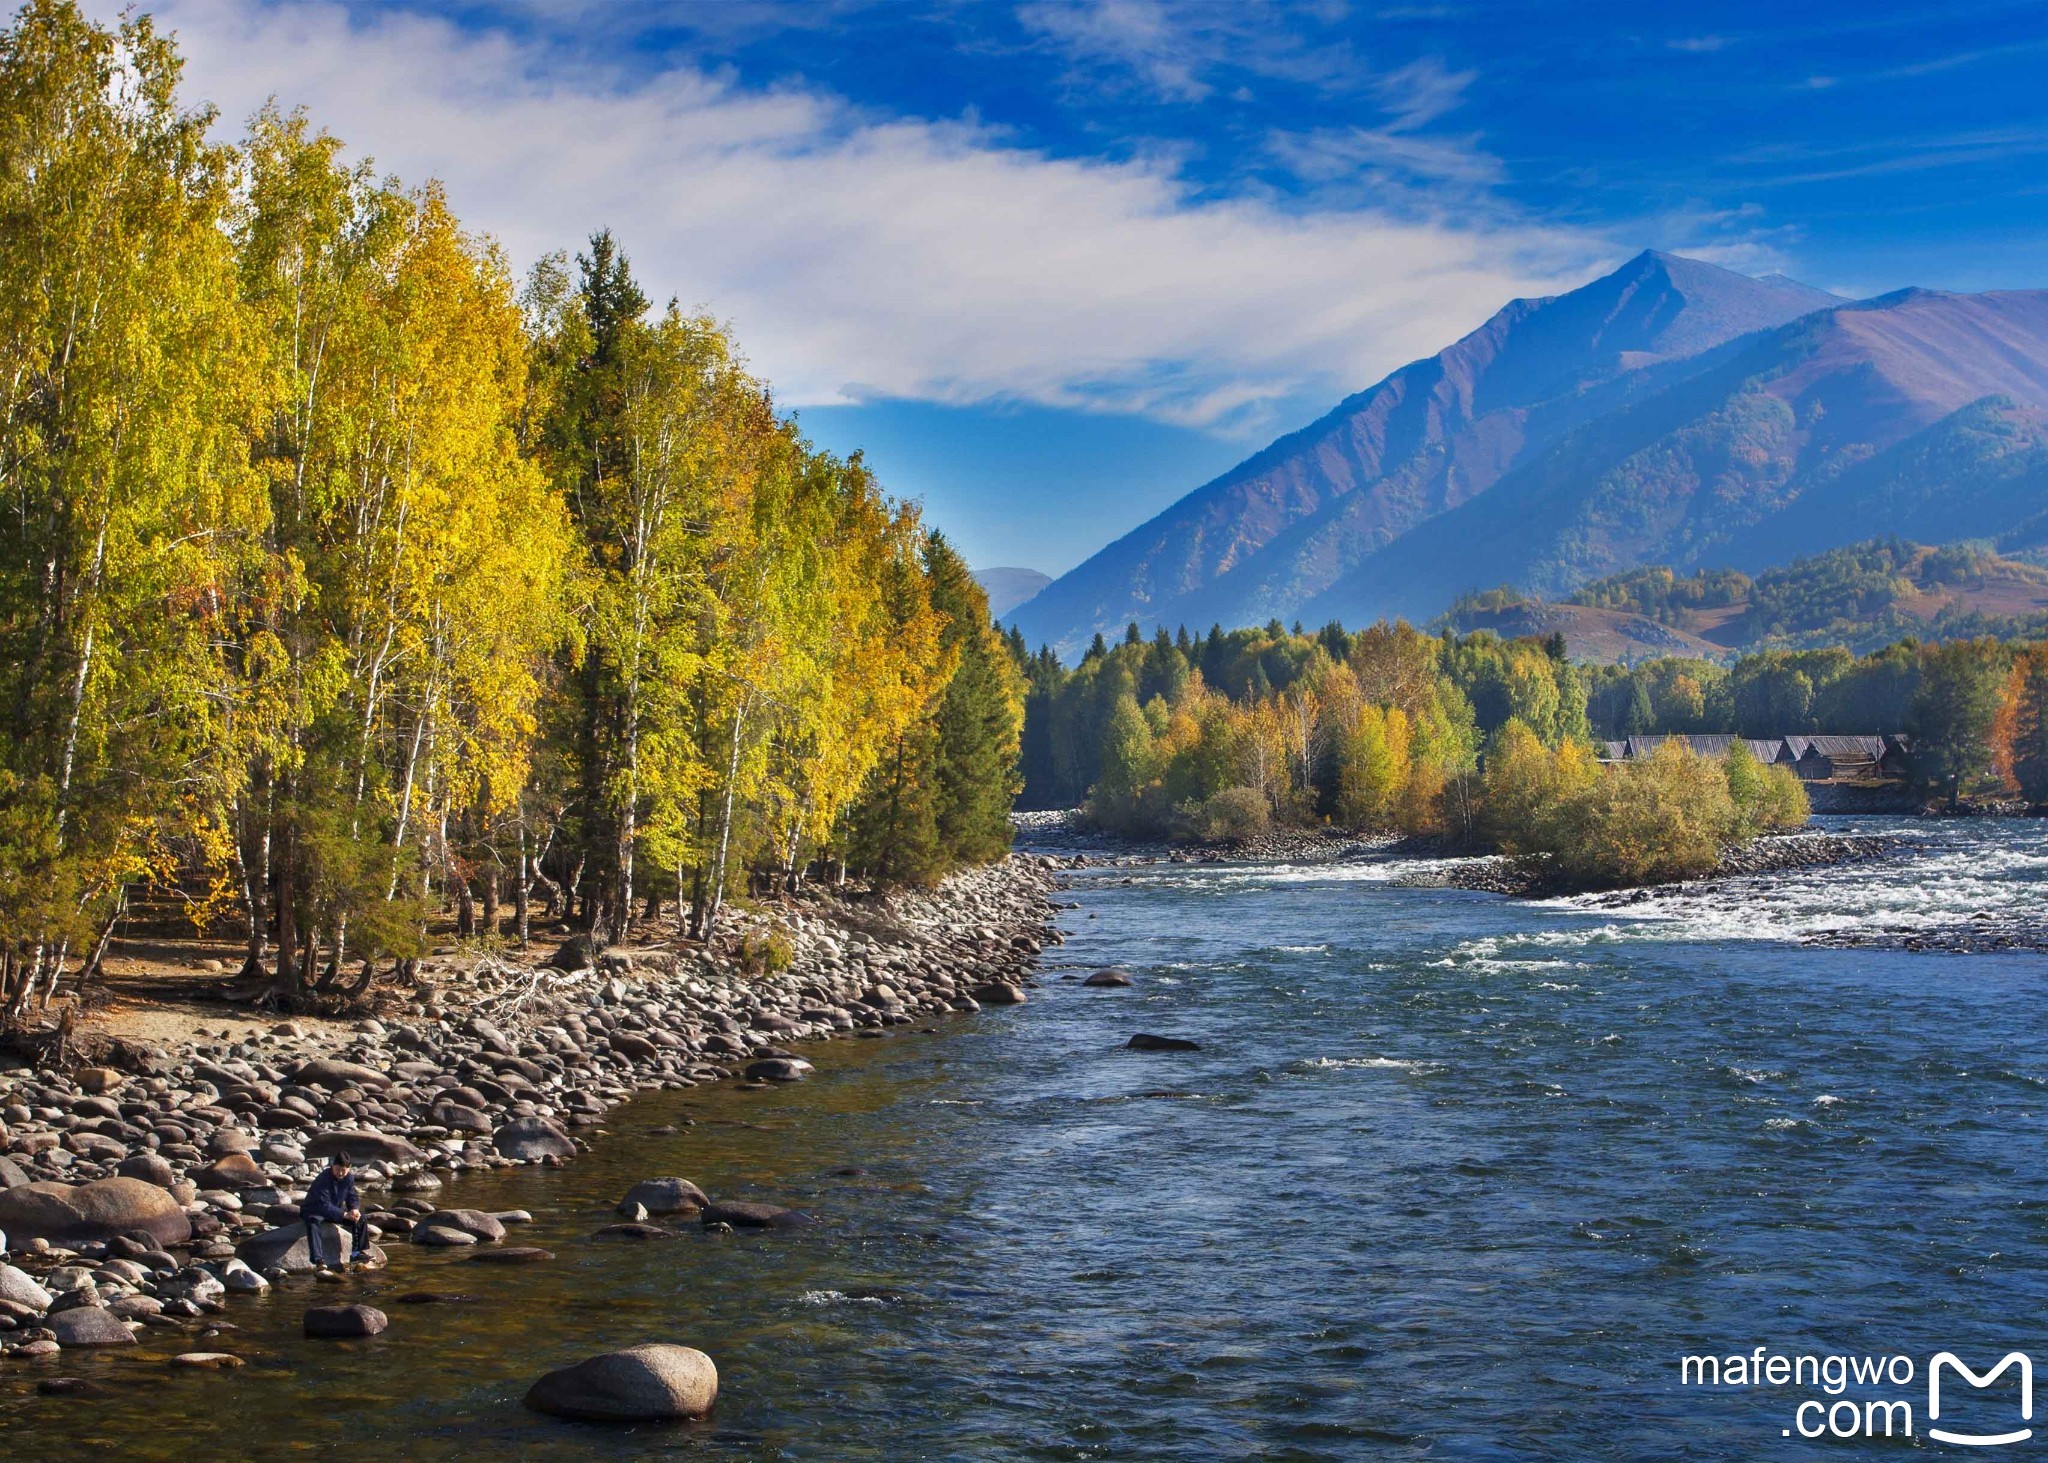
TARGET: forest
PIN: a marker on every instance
(1476, 739)
(348, 581)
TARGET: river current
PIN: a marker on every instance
(1452, 1176)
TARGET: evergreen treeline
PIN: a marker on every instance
(340, 568)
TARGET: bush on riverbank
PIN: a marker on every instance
(1666, 816)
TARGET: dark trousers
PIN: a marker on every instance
(316, 1239)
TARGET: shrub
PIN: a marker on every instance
(1527, 787)
(1236, 815)
(1663, 817)
(766, 952)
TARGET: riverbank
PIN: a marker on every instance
(146, 1186)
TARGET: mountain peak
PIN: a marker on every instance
(1288, 521)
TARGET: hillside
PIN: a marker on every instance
(1861, 596)
(1291, 521)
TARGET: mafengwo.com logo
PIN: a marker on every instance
(1988, 1408)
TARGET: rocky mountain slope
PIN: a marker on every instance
(1671, 413)
(1292, 520)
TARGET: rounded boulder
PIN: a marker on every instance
(651, 1383)
(23, 1289)
(664, 1196)
(478, 1225)
(1145, 1041)
(89, 1326)
(337, 1323)
(335, 1075)
(527, 1139)
(72, 1214)
(363, 1146)
(742, 1214)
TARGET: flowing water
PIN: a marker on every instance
(1451, 1176)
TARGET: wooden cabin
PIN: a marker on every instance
(1824, 759)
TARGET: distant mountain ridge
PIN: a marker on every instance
(1289, 521)
(1009, 587)
(1671, 412)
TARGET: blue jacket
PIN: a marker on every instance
(330, 1197)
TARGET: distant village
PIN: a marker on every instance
(1873, 758)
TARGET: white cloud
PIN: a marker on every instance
(861, 255)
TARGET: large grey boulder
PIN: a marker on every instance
(73, 1214)
(459, 1117)
(151, 1168)
(335, 1323)
(335, 1075)
(472, 1222)
(22, 1288)
(743, 1214)
(362, 1146)
(284, 1248)
(578, 952)
(665, 1196)
(90, 1326)
(531, 1138)
(232, 1171)
(442, 1235)
(651, 1383)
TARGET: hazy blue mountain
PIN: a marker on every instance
(1007, 588)
(1294, 520)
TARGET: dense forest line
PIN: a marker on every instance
(345, 579)
(1464, 737)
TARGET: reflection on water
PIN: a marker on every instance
(1450, 1176)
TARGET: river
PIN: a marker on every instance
(1451, 1176)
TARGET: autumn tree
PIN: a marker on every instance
(2019, 736)
(131, 512)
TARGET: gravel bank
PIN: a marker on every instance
(149, 1187)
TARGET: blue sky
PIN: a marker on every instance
(1054, 263)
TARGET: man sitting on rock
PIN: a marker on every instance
(332, 1200)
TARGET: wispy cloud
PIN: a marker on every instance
(863, 255)
(1397, 160)
(1183, 50)
(1794, 164)
(1934, 65)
